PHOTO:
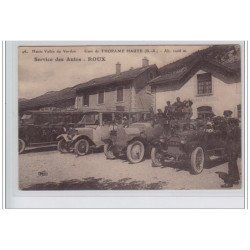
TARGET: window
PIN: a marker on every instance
(119, 94)
(100, 97)
(85, 100)
(204, 84)
(151, 75)
(239, 111)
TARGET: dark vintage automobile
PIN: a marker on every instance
(190, 142)
(41, 128)
(89, 132)
(134, 139)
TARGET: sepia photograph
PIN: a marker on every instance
(130, 117)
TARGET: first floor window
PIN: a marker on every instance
(204, 84)
(100, 97)
(85, 100)
(119, 94)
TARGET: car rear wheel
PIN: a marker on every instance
(62, 146)
(135, 151)
(156, 157)
(108, 151)
(197, 160)
(82, 147)
(21, 146)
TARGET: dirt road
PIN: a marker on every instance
(50, 170)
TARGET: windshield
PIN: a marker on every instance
(90, 119)
(26, 117)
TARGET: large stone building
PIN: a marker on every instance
(122, 91)
(210, 78)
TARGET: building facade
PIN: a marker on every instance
(124, 91)
(211, 86)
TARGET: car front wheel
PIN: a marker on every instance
(21, 146)
(135, 151)
(156, 157)
(197, 160)
(81, 147)
(62, 146)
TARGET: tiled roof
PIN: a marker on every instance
(48, 99)
(225, 59)
(53, 97)
(115, 78)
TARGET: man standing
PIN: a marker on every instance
(233, 141)
(178, 105)
(168, 111)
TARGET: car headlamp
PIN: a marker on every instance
(162, 140)
(183, 141)
(72, 133)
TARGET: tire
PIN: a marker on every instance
(81, 147)
(61, 146)
(197, 160)
(135, 151)
(21, 146)
(108, 151)
(156, 162)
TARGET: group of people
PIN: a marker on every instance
(228, 125)
(176, 111)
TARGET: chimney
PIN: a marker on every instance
(145, 62)
(118, 68)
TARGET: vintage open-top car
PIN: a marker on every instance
(89, 132)
(41, 128)
(132, 140)
(190, 142)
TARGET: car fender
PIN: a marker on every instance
(78, 137)
(62, 136)
(107, 140)
(138, 138)
(156, 143)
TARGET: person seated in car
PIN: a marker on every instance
(209, 127)
(227, 114)
(125, 122)
(187, 110)
(159, 116)
(178, 106)
(168, 111)
(97, 121)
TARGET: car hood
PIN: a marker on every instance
(185, 134)
(141, 125)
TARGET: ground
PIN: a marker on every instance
(48, 169)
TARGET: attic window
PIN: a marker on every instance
(151, 75)
(204, 84)
(119, 96)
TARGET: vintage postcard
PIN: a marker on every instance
(130, 117)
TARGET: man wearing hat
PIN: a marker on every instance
(227, 113)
